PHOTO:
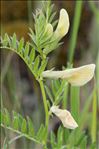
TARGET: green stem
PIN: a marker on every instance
(74, 33)
(6, 66)
(65, 96)
(45, 103)
(94, 117)
(94, 9)
(74, 102)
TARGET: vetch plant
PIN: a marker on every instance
(45, 38)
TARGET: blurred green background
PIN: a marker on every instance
(19, 90)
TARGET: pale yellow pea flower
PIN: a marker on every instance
(63, 24)
(65, 116)
(76, 76)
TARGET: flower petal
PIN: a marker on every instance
(80, 76)
(63, 24)
(65, 116)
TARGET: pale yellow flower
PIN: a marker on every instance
(65, 116)
(63, 24)
(76, 76)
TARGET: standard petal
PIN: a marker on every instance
(80, 76)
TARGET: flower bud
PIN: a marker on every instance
(49, 29)
(65, 116)
(63, 24)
